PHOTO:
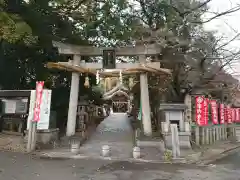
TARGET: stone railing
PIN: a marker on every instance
(207, 135)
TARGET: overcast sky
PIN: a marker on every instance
(228, 25)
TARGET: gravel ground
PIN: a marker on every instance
(16, 166)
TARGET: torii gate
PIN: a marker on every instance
(76, 66)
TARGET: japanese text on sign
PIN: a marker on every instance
(200, 113)
(222, 114)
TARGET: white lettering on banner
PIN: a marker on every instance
(214, 111)
(222, 119)
(200, 120)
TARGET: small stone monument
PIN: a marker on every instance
(75, 147)
(175, 114)
(136, 153)
(105, 151)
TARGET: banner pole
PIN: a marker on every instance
(29, 143)
(34, 136)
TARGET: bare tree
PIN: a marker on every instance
(196, 56)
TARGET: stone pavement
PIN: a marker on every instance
(205, 155)
(17, 166)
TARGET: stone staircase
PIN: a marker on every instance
(114, 131)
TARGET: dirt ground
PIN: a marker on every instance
(12, 143)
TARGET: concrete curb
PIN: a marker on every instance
(197, 161)
(47, 157)
(78, 157)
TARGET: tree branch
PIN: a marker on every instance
(232, 10)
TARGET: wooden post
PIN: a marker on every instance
(73, 100)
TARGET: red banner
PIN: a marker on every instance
(222, 113)
(233, 110)
(206, 101)
(229, 114)
(38, 101)
(226, 113)
(214, 111)
(200, 113)
(237, 115)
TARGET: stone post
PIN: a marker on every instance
(203, 136)
(207, 135)
(188, 111)
(217, 132)
(73, 100)
(222, 133)
(197, 134)
(175, 141)
(234, 131)
(211, 135)
(146, 112)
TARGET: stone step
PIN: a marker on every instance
(151, 153)
(117, 149)
(114, 131)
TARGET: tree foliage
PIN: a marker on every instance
(27, 29)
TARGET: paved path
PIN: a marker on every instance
(114, 131)
(15, 166)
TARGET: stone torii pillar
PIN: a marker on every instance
(73, 100)
(146, 111)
